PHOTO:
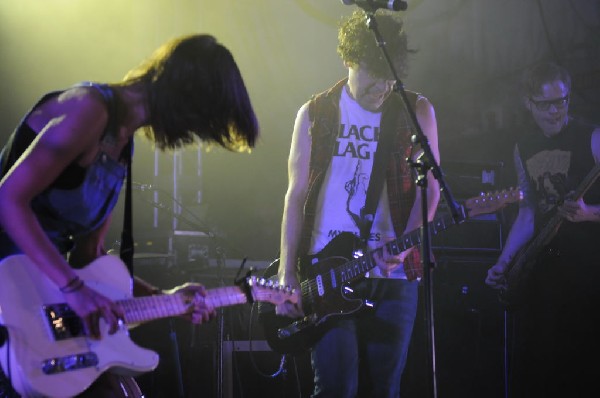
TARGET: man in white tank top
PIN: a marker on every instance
(326, 197)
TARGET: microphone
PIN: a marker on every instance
(372, 5)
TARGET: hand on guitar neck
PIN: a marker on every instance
(522, 249)
(579, 211)
(48, 351)
(201, 309)
(292, 309)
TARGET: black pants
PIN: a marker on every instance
(556, 344)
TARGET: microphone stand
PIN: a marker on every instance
(426, 162)
(220, 327)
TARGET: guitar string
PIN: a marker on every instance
(411, 239)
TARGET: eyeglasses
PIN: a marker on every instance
(544, 105)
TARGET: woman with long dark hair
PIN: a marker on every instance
(64, 166)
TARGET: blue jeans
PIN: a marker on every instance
(364, 354)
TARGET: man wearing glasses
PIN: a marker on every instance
(555, 337)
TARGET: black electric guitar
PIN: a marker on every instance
(48, 354)
(523, 262)
(326, 277)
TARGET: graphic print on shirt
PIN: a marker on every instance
(355, 141)
(357, 195)
(355, 148)
(548, 171)
(341, 201)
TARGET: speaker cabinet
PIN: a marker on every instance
(252, 370)
(469, 334)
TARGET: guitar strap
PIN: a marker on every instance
(376, 180)
(126, 250)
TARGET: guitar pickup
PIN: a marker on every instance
(69, 363)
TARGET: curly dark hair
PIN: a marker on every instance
(356, 42)
(196, 93)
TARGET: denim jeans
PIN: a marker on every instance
(364, 354)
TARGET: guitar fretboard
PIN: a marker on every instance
(522, 263)
(335, 276)
(142, 309)
(358, 267)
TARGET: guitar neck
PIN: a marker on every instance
(358, 267)
(143, 309)
(482, 204)
(546, 233)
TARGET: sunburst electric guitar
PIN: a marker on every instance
(326, 277)
(47, 352)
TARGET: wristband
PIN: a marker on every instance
(70, 284)
(74, 285)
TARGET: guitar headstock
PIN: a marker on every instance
(492, 201)
(267, 290)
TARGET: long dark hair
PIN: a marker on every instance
(196, 92)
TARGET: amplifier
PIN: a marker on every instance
(192, 248)
(467, 179)
(252, 370)
(482, 234)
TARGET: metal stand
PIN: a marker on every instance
(426, 162)
(220, 328)
(176, 359)
(421, 181)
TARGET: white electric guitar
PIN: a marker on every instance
(47, 352)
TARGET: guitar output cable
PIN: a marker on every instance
(282, 370)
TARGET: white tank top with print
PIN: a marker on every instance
(344, 189)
